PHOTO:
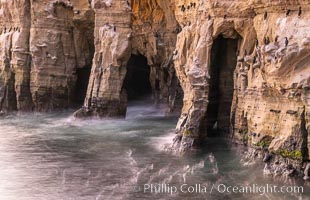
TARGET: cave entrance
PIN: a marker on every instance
(137, 79)
(221, 86)
(83, 75)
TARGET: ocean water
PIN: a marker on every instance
(54, 156)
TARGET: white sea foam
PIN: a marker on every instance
(159, 143)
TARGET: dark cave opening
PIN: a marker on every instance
(83, 75)
(221, 87)
(137, 80)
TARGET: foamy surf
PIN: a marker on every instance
(161, 142)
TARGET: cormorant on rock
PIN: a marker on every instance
(128, 4)
(225, 16)
(288, 12)
(276, 38)
(209, 17)
(245, 52)
(254, 59)
(178, 29)
(265, 15)
(266, 40)
(183, 8)
(114, 28)
(286, 41)
(156, 34)
(267, 157)
(188, 7)
(107, 24)
(299, 11)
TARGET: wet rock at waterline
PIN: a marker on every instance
(236, 68)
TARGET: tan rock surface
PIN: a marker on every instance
(238, 73)
(42, 47)
(270, 97)
(144, 28)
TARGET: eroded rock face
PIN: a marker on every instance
(270, 107)
(15, 56)
(43, 43)
(146, 28)
(202, 24)
(243, 65)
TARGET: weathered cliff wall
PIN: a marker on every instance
(123, 28)
(202, 24)
(270, 107)
(15, 57)
(242, 65)
(43, 43)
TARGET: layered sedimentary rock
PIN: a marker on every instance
(242, 65)
(43, 44)
(208, 26)
(15, 56)
(270, 106)
(125, 29)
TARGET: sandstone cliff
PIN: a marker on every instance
(270, 70)
(243, 66)
(43, 44)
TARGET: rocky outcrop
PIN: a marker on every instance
(242, 65)
(146, 28)
(43, 44)
(15, 56)
(270, 105)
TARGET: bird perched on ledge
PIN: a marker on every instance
(276, 38)
(265, 15)
(183, 8)
(256, 42)
(288, 12)
(245, 52)
(266, 40)
(156, 34)
(299, 11)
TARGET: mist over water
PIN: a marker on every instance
(54, 156)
